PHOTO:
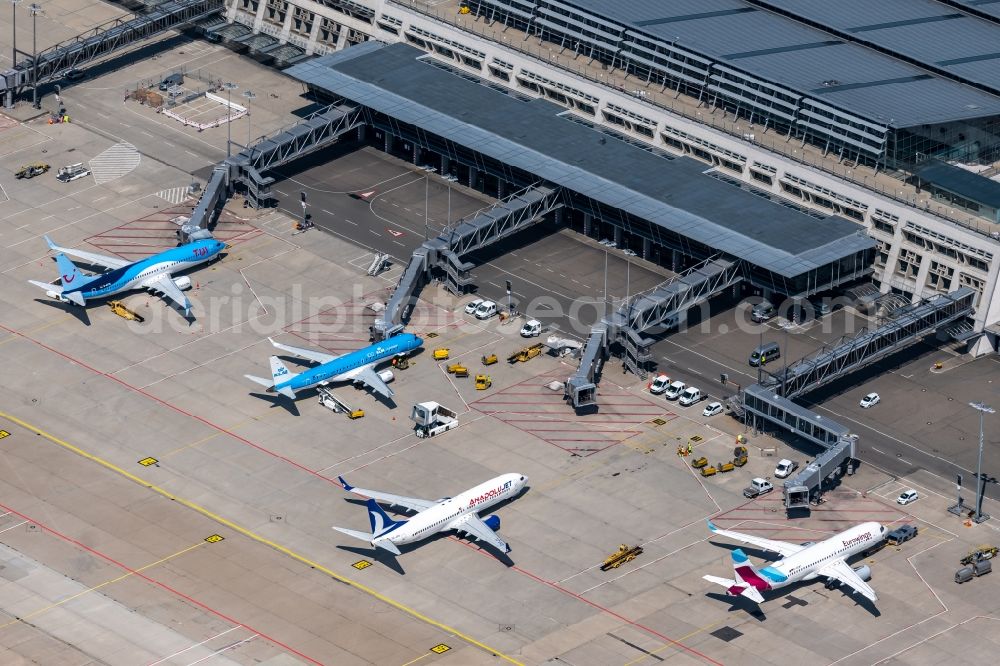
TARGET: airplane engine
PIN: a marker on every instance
(183, 283)
(492, 522)
(864, 573)
(386, 376)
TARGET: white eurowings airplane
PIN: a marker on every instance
(459, 513)
(799, 562)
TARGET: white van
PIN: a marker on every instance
(486, 310)
(532, 328)
(690, 396)
(674, 390)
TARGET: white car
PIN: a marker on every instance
(690, 396)
(870, 400)
(659, 385)
(673, 391)
(907, 496)
(470, 307)
(785, 468)
(712, 408)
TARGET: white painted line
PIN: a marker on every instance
(878, 450)
(167, 143)
(192, 154)
(147, 133)
(284, 194)
(100, 199)
(349, 222)
(374, 232)
(124, 124)
(398, 243)
(904, 461)
(324, 210)
(170, 656)
(13, 526)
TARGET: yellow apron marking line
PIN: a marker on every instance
(112, 581)
(423, 656)
(259, 539)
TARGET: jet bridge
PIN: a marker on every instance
(906, 326)
(114, 35)
(658, 308)
(312, 133)
(505, 218)
(772, 399)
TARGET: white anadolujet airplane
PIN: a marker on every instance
(799, 562)
(460, 513)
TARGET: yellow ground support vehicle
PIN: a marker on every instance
(489, 360)
(698, 463)
(483, 382)
(740, 456)
(119, 309)
(441, 354)
(32, 170)
(625, 554)
(708, 471)
(356, 414)
(727, 467)
(458, 370)
(980, 553)
(526, 354)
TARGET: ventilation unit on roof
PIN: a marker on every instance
(831, 82)
(972, 106)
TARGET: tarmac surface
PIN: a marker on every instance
(154, 508)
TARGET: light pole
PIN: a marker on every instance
(230, 87)
(980, 483)
(250, 97)
(35, 10)
(13, 9)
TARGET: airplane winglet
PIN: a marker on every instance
(348, 487)
(739, 556)
(711, 526)
(52, 246)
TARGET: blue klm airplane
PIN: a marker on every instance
(356, 366)
(154, 273)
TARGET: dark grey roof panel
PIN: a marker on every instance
(532, 136)
(964, 183)
(988, 7)
(930, 33)
(763, 44)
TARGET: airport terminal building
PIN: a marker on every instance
(729, 83)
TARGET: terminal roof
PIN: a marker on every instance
(958, 181)
(538, 138)
(829, 62)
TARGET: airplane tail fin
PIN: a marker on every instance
(279, 375)
(747, 576)
(72, 279)
(380, 521)
(381, 524)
